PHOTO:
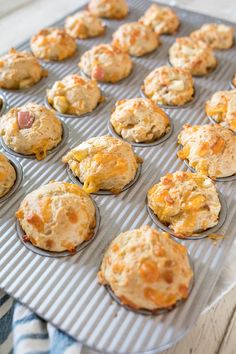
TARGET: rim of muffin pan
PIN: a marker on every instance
(62, 143)
(217, 179)
(45, 253)
(160, 311)
(18, 181)
(161, 140)
(186, 105)
(198, 235)
(76, 180)
(3, 106)
(96, 110)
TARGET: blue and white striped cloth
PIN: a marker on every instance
(23, 332)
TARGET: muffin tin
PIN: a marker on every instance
(65, 291)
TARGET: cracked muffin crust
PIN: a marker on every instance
(171, 86)
(194, 55)
(84, 25)
(136, 39)
(7, 175)
(74, 94)
(222, 108)
(53, 44)
(107, 63)
(31, 129)
(20, 70)
(209, 149)
(217, 36)
(186, 202)
(146, 269)
(103, 163)
(162, 19)
(113, 9)
(57, 217)
(139, 120)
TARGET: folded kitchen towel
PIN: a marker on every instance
(23, 332)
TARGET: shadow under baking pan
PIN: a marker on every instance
(104, 192)
(41, 252)
(19, 177)
(165, 106)
(157, 312)
(161, 140)
(65, 136)
(196, 236)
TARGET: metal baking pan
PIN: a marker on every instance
(65, 291)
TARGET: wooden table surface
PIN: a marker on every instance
(215, 331)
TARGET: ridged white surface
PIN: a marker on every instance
(65, 291)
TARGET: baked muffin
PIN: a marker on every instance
(139, 120)
(113, 9)
(53, 44)
(163, 20)
(186, 202)
(106, 63)
(57, 217)
(146, 269)
(169, 86)
(7, 175)
(217, 36)
(84, 25)
(103, 162)
(196, 56)
(222, 108)
(234, 80)
(20, 70)
(209, 149)
(31, 129)
(136, 39)
(74, 95)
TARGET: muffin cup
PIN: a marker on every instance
(217, 179)
(157, 312)
(104, 192)
(186, 105)
(41, 252)
(19, 176)
(95, 110)
(4, 104)
(161, 140)
(65, 135)
(212, 70)
(200, 235)
(231, 84)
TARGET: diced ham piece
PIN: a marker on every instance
(98, 73)
(25, 120)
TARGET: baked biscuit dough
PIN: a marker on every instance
(7, 175)
(113, 9)
(103, 162)
(57, 217)
(53, 44)
(222, 108)
(146, 269)
(31, 129)
(217, 36)
(169, 86)
(162, 19)
(139, 120)
(186, 202)
(209, 149)
(196, 56)
(136, 39)
(19, 70)
(106, 63)
(84, 25)
(74, 95)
